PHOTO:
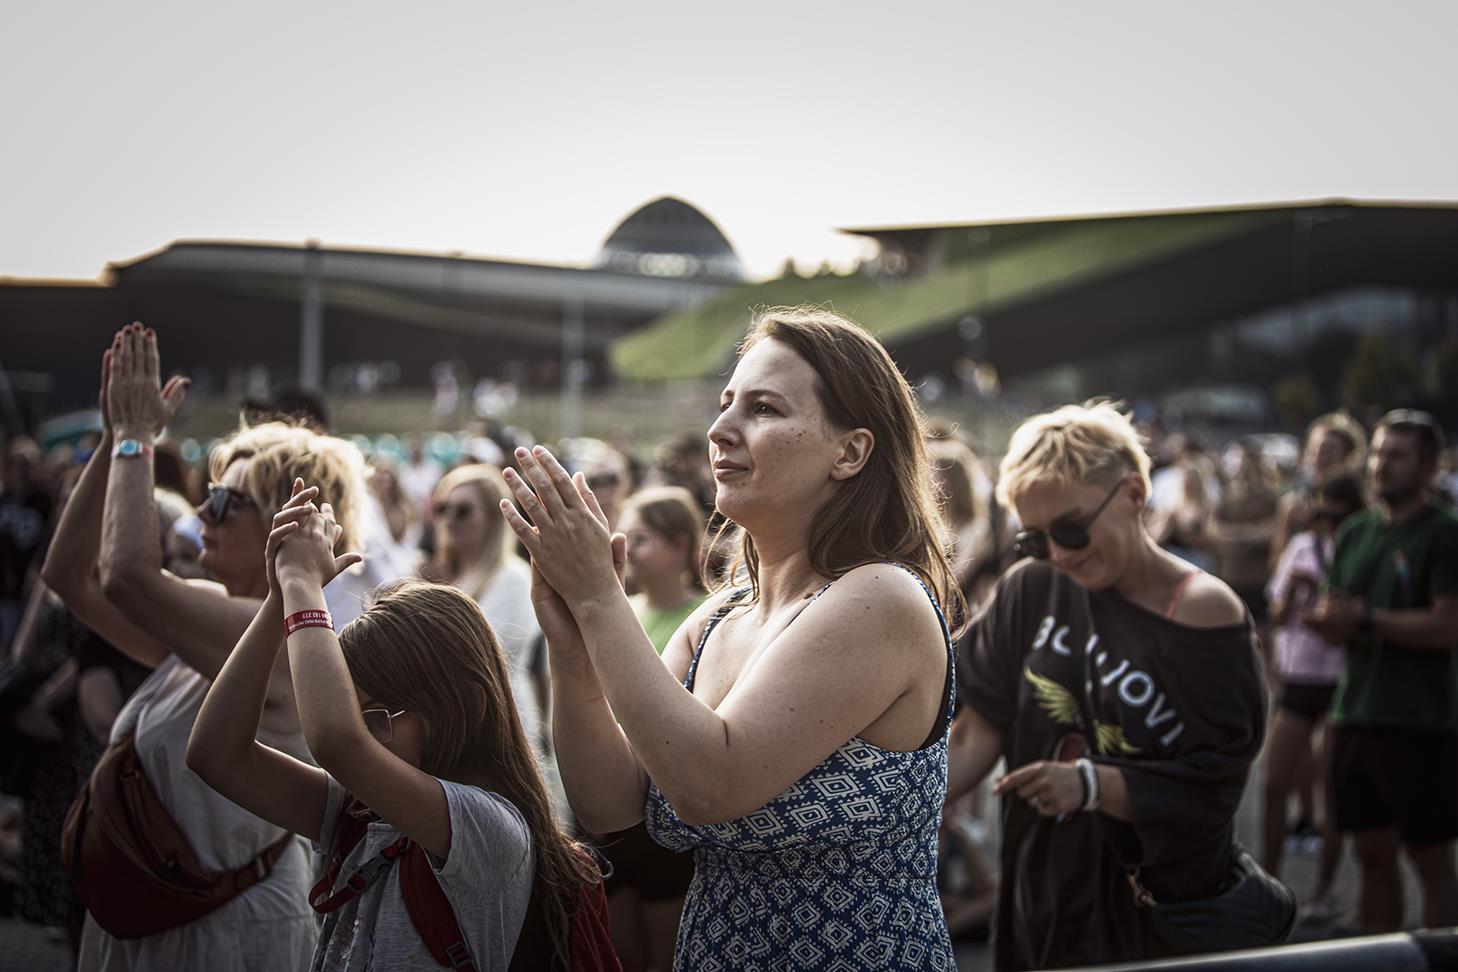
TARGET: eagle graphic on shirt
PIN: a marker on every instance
(1059, 705)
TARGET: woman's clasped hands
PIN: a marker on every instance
(301, 543)
(564, 529)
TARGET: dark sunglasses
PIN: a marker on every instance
(221, 499)
(1068, 534)
(380, 722)
(603, 480)
(455, 511)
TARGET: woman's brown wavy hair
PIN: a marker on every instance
(427, 648)
(887, 512)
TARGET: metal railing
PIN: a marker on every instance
(1419, 951)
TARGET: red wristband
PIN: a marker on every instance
(307, 619)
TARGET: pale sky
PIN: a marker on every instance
(527, 130)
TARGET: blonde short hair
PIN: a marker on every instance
(1071, 445)
(278, 452)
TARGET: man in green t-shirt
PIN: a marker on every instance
(1393, 602)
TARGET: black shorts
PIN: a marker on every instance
(1311, 702)
(1407, 778)
(641, 863)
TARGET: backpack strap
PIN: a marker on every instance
(351, 830)
(431, 913)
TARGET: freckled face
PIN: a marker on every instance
(772, 447)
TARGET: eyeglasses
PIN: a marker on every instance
(380, 722)
(220, 501)
(1068, 534)
(455, 511)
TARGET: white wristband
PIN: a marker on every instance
(1090, 776)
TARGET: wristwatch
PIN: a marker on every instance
(126, 448)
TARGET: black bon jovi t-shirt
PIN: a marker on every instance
(1179, 710)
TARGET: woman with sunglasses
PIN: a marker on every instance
(1121, 687)
(107, 565)
(476, 554)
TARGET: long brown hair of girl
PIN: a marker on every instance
(427, 648)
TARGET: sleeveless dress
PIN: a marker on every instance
(836, 873)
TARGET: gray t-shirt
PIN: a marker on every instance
(487, 879)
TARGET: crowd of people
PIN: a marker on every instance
(740, 705)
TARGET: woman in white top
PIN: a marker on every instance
(476, 554)
(105, 563)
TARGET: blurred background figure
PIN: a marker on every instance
(665, 528)
(476, 553)
(1242, 523)
(684, 461)
(25, 508)
(1182, 497)
(1336, 445)
(402, 515)
(955, 468)
(1306, 670)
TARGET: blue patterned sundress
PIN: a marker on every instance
(837, 873)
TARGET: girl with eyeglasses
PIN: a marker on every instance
(424, 771)
(1121, 687)
(106, 563)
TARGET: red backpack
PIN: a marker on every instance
(590, 944)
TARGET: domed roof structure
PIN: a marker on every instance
(670, 238)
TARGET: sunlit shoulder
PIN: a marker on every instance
(1209, 603)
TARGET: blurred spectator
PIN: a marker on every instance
(418, 473)
(608, 472)
(401, 515)
(172, 472)
(966, 885)
(476, 553)
(289, 404)
(1180, 520)
(974, 556)
(664, 527)
(1307, 669)
(1242, 524)
(1393, 602)
(684, 461)
(1335, 446)
(1182, 451)
(25, 508)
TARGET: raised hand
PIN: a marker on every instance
(563, 528)
(136, 404)
(301, 543)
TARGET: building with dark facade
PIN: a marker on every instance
(1246, 306)
(235, 312)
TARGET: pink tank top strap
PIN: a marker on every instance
(1179, 592)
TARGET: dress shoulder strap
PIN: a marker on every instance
(713, 622)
